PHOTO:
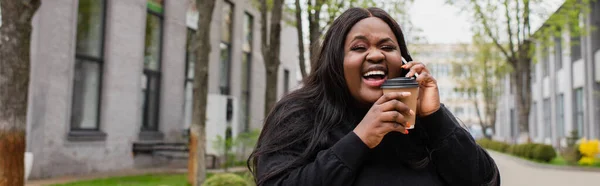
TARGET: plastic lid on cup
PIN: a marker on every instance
(400, 82)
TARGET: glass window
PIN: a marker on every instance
(578, 109)
(225, 47)
(547, 119)
(534, 120)
(558, 52)
(89, 59)
(247, 70)
(189, 77)
(545, 61)
(286, 81)
(560, 116)
(152, 65)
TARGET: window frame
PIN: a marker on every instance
(149, 73)
(227, 89)
(91, 59)
(560, 115)
(248, 79)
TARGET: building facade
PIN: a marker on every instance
(442, 60)
(107, 74)
(565, 88)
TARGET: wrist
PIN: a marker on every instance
(363, 137)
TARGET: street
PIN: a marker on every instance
(514, 173)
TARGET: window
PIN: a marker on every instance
(189, 77)
(533, 75)
(225, 46)
(545, 61)
(558, 52)
(560, 116)
(286, 81)
(247, 70)
(578, 109)
(0, 15)
(151, 77)
(534, 125)
(547, 119)
(89, 60)
(513, 125)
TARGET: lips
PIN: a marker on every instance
(374, 75)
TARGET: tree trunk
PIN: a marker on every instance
(272, 54)
(15, 42)
(522, 77)
(314, 29)
(197, 162)
(300, 39)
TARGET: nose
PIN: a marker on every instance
(375, 56)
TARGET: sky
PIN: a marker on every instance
(442, 23)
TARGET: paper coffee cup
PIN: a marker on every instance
(404, 84)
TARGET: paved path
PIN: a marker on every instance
(516, 173)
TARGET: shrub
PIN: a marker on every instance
(226, 179)
(543, 153)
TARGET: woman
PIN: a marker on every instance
(340, 129)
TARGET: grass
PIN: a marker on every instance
(142, 180)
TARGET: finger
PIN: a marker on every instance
(418, 68)
(388, 96)
(392, 116)
(425, 78)
(396, 105)
(392, 126)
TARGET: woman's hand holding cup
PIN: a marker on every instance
(386, 115)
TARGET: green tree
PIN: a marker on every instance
(15, 32)
(271, 47)
(507, 24)
(479, 76)
(322, 13)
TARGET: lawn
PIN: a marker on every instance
(143, 180)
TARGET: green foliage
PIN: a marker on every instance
(571, 153)
(544, 153)
(532, 151)
(226, 179)
(232, 147)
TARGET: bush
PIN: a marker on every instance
(226, 179)
(533, 151)
(544, 153)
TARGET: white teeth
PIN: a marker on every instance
(375, 72)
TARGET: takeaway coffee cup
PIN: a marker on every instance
(404, 84)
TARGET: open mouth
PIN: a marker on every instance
(375, 77)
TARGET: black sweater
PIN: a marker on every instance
(454, 158)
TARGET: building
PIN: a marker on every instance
(109, 74)
(565, 85)
(442, 60)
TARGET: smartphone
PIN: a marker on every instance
(406, 71)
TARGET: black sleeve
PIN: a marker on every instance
(334, 166)
(454, 153)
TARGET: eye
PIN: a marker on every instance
(388, 47)
(358, 48)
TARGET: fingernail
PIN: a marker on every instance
(412, 113)
(405, 93)
(405, 131)
(403, 66)
(407, 124)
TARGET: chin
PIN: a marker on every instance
(371, 96)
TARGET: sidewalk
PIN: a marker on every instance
(121, 173)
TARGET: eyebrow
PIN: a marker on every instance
(361, 37)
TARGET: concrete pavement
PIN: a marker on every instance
(515, 173)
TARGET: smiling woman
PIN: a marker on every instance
(341, 129)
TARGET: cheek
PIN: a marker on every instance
(394, 65)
